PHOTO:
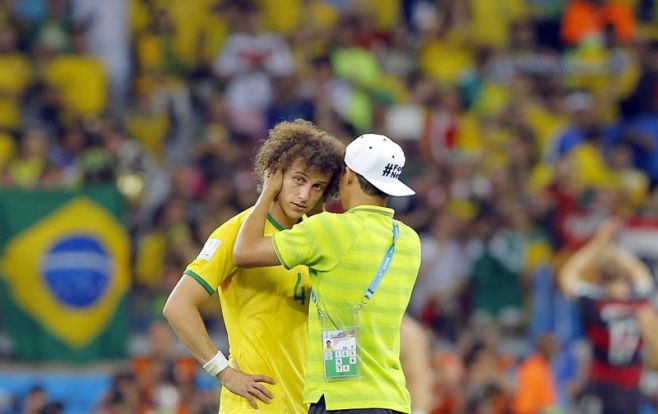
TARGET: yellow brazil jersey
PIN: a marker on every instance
(82, 82)
(15, 75)
(265, 312)
(343, 253)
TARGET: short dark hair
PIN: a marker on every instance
(290, 141)
(368, 188)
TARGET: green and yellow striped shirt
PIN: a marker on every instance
(343, 252)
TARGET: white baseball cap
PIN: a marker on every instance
(379, 160)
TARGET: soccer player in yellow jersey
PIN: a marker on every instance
(264, 309)
(363, 265)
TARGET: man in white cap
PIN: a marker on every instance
(363, 264)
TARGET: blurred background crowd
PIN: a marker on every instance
(525, 122)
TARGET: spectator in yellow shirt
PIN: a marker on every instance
(589, 162)
(7, 150)
(631, 182)
(28, 169)
(15, 76)
(79, 79)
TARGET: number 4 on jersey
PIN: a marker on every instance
(299, 294)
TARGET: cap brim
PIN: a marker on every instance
(394, 188)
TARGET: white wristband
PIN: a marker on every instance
(216, 364)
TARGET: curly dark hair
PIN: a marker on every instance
(290, 141)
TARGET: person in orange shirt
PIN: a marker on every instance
(536, 390)
(585, 19)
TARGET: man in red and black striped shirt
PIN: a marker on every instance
(609, 304)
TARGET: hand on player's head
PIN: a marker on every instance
(272, 182)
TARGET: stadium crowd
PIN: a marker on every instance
(526, 123)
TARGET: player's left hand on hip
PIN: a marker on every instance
(247, 385)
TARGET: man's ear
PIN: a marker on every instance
(349, 175)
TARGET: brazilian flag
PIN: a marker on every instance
(64, 273)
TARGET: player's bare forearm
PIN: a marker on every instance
(574, 269)
(648, 320)
(252, 249)
(415, 360)
(181, 311)
(634, 268)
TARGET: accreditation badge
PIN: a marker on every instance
(340, 350)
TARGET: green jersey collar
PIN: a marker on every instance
(274, 223)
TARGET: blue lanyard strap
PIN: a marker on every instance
(383, 267)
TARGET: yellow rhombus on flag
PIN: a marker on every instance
(69, 270)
